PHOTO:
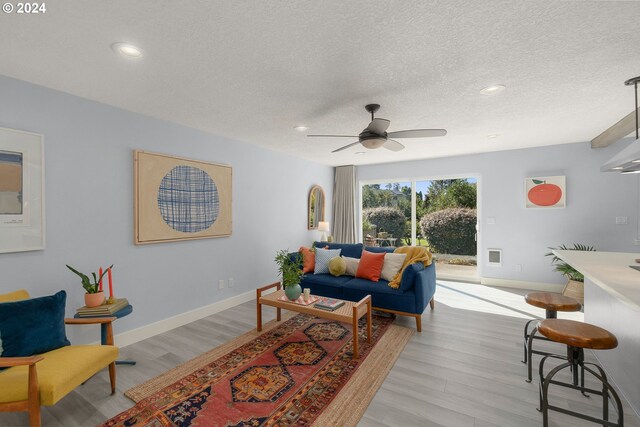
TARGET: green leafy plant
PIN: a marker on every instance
(564, 268)
(451, 231)
(289, 267)
(91, 288)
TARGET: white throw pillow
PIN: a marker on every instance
(392, 265)
(323, 256)
(352, 265)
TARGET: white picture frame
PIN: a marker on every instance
(545, 192)
(22, 220)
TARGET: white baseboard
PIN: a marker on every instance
(129, 337)
(521, 284)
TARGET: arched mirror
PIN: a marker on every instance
(316, 207)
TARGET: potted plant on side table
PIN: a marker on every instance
(575, 280)
(290, 269)
(94, 296)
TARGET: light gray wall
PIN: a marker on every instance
(89, 207)
(594, 199)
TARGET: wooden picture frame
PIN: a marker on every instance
(22, 224)
(179, 199)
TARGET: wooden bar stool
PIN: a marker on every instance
(552, 303)
(577, 336)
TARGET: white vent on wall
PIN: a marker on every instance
(495, 257)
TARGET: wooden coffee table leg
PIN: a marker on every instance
(369, 320)
(259, 316)
(356, 354)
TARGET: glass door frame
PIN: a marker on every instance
(414, 220)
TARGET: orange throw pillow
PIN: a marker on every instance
(308, 259)
(370, 266)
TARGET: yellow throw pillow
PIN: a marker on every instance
(337, 266)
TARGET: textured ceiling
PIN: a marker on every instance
(252, 70)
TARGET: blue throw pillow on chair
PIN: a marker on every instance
(32, 326)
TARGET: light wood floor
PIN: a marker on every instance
(463, 370)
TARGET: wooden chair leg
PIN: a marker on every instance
(419, 323)
(112, 377)
(432, 303)
(34, 397)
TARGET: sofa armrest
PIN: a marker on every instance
(425, 286)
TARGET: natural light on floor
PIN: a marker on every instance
(487, 299)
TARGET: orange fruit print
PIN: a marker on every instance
(544, 194)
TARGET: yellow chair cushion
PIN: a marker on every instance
(61, 371)
(14, 296)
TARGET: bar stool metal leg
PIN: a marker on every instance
(575, 359)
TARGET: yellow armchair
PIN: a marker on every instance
(46, 378)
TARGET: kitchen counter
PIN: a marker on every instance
(610, 271)
(612, 301)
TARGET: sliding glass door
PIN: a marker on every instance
(440, 214)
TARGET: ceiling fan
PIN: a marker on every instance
(375, 135)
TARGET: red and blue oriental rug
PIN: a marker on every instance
(298, 372)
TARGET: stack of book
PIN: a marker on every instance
(104, 309)
(329, 304)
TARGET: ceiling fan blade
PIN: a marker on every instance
(345, 147)
(393, 145)
(378, 126)
(333, 136)
(417, 133)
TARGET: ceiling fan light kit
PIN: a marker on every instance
(375, 135)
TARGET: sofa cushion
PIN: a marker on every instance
(337, 266)
(370, 266)
(351, 265)
(325, 285)
(381, 295)
(323, 256)
(308, 259)
(392, 265)
(33, 326)
(59, 373)
(380, 249)
(353, 250)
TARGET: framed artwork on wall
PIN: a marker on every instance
(180, 199)
(545, 192)
(21, 191)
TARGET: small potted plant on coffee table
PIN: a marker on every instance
(290, 268)
(94, 296)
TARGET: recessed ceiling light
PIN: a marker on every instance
(126, 49)
(635, 161)
(361, 152)
(493, 136)
(301, 128)
(493, 89)
(617, 168)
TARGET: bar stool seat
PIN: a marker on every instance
(577, 336)
(552, 303)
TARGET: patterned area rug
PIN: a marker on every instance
(298, 372)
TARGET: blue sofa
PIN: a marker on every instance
(417, 287)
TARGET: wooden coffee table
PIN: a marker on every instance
(350, 312)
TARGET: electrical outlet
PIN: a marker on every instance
(518, 268)
(491, 220)
(621, 220)
(231, 282)
(221, 284)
